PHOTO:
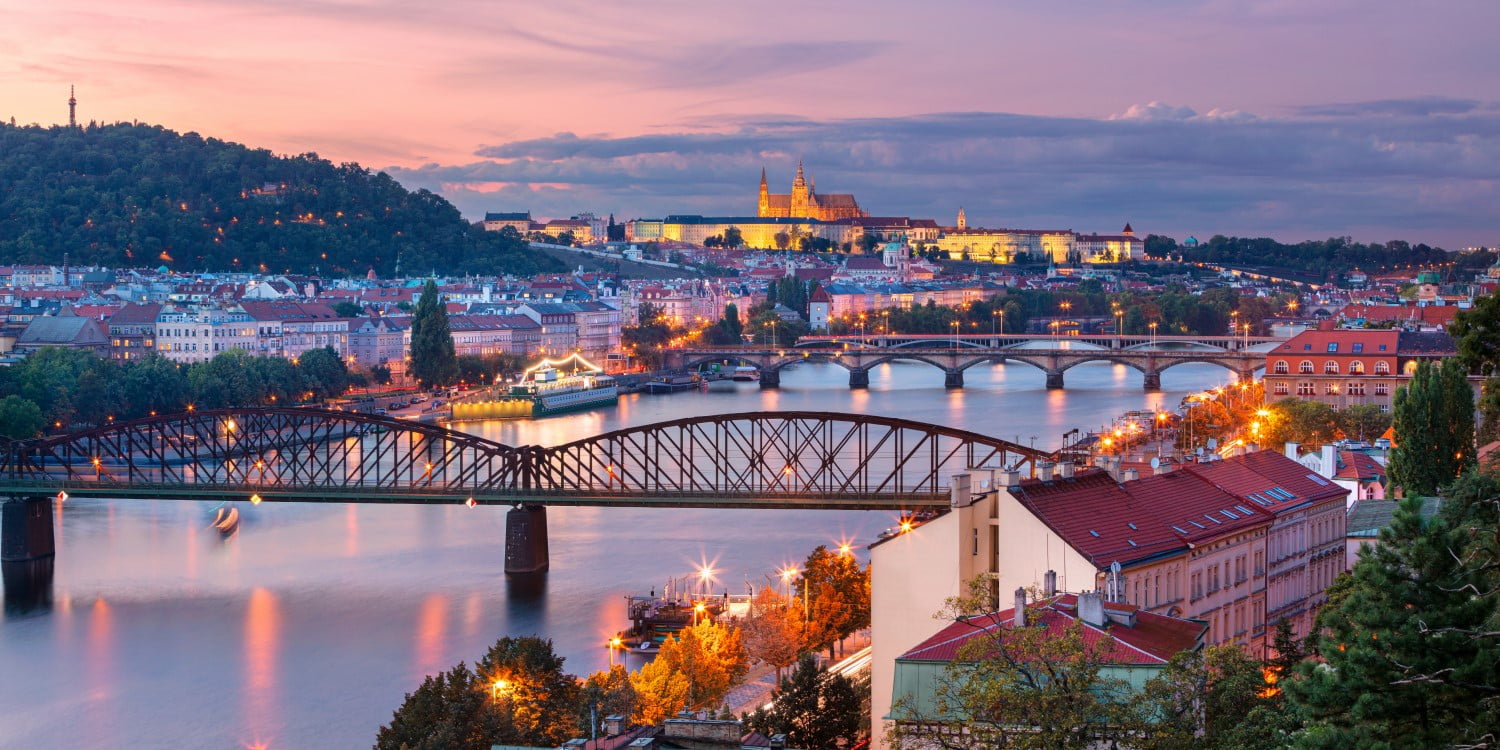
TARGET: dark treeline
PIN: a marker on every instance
(60, 388)
(126, 195)
(1325, 259)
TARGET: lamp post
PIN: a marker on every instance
(614, 643)
(1153, 334)
(955, 335)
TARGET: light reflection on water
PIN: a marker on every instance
(306, 627)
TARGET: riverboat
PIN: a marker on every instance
(672, 383)
(746, 372)
(655, 618)
(547, 388)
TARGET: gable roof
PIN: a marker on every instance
(1154, 638)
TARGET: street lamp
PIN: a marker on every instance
(955, 334)
(499, 688)
(1153, 334)
(614, 643)
(698, 610)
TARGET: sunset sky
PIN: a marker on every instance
(1297, 119)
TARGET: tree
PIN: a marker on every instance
(838, 591)
(450, 711)
(20, 419)
(1018, 687)
(604, 694)
(432, 359)
(153, 383)
(708, 656)
(814, 709)
(1477, 333)
(645, 340)
(733, 238)
(1409, 648)
(535, 692)
(782, 240)
(1434, 424)
(775, 632)
(1362, 421)
(1215, 698)
(347, 309)
(323, 372)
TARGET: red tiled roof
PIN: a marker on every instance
(1093, 514)
(1153, 639)
(1255, 473)
(137, 313)
(1432, 314)
(1356, 465)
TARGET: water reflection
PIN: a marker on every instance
(28, 586)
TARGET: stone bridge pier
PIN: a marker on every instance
(953, 379)
(26, 529)
(770, 379)
(526, 539)
(859, 379)
(1153, 381)
(1054, 379)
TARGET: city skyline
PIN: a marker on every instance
(1183, 117)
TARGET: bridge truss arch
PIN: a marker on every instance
(757, 459)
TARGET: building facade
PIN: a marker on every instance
(804, 202)
(1347, 367)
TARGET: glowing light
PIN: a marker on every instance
(62, 496)
(906, 525)
(845, 549)
(255, 499)
(470, 502)
(499, 688)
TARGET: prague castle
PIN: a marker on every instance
(804, 202)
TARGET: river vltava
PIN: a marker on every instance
(306, 627)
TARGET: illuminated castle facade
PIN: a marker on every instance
(804, 202)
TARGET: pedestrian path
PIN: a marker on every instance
(755, 690)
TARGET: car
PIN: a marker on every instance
(381, 412)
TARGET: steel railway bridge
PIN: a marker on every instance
(1053, 355)
(749, 460)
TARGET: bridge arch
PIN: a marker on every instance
(1228, 364)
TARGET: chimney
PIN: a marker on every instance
(1008, 478)
(1020, 620)
(1163, 467)
(614, 724)
(1112, 465)
(1044, 471)
(1130, 475)
(1291, 450)
(961, 495)
(1049, 583)
(1330, 456)
(1064, 469)
(1091, 608)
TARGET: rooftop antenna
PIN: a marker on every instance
(72, 108)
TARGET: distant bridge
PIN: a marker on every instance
(1053, 355)
(751, 460)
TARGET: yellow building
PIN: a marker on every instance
(804, 202)
(1003, 245)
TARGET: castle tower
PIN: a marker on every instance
(72, 109)
(765, 195)
(800, 193)
(1127, 231)
(963, 221)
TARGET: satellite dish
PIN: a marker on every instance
(1114, 567)
(1156, 463)
(1213, 444)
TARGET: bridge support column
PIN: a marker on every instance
(859, 379)
(26, 529)
(1153, 381)
(770, 379)
(1054, 379)
(1245, 376)
(526, 539)
(953, 379)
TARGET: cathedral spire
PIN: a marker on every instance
(800, 181)
(72, 108)
(762, 178)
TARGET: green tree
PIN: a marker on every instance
(432, 360)
(452, 710)
(1362, 421)
(20, 419)
(1409, 649)
(1477, 333)
(733, 238)
(153, 383)
(323, 372)
(603, 694)
(347, 309)
(814, 709)
(1019, 687)
(645, 340)
(1216, 698)
(1434, 425)
(534, 691)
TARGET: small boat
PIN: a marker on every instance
(226, 520)
(746, 372)
(672, 383)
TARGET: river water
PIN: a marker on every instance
(306, 628)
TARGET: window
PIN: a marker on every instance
(1357, 347)
(1356, 367)
(1382, 368)
(1382, 347)
(1333, 346)
(1197, 586)
(1306, 367)
(1281, 367)
(1330, 368)
(1355, 388)
(1281, 389)
(1385, 408)
(1305, 389)
(1410, 368)
(1382, 389)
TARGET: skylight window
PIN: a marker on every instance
(1195, 523)
(1244, 510)
(1132, 527)
(1229, 515)
(1258, 499)
(1216, 521)
(1132, 542)
(1094, 533)
(1318, 480)
(1179, 530)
